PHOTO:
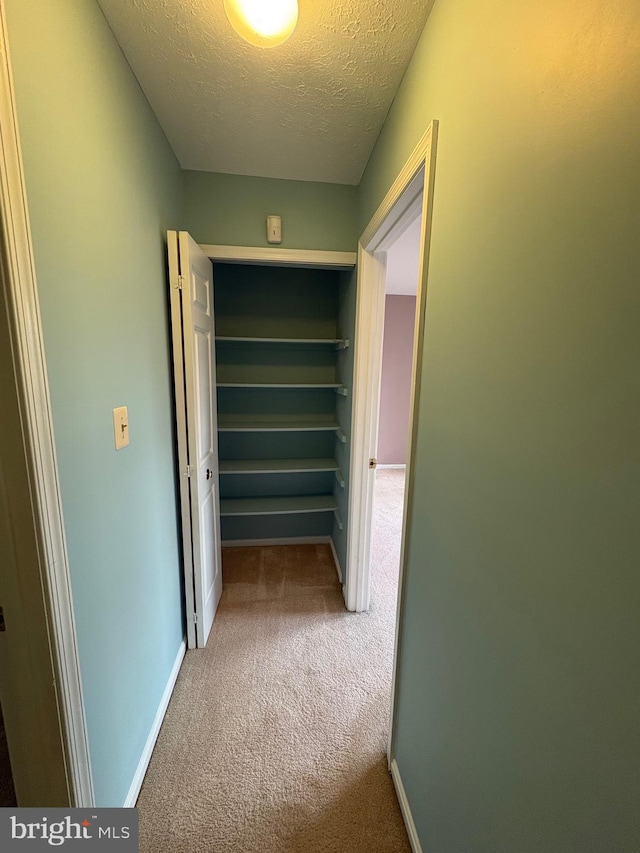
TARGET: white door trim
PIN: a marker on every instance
(280, 257)
(181, 432)
(21, 296)
(397, 208)
(369, 333)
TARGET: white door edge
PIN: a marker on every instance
(181, 432)
(391, 217)
(20, 292)
(370, 306)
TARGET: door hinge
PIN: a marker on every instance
(188, 471)
(195, 618)
(373, 463)
(180, 282)
(3, 626)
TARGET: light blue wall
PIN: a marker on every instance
(519, 666)
(102, 187)
(232, 210)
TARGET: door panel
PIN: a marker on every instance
(209, 567)
(196, 417)
(204, 381)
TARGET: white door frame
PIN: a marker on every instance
(410, 195)
(271, 256)
(277, 256)
(39, 545)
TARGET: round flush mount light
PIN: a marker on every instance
(263, 23)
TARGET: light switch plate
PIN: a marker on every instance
(121, 427)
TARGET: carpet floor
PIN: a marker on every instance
(275, 737)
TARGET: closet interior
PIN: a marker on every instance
(280, 364)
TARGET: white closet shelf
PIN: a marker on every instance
(277, 466)
(277, 423)
(336, 386)
(338, 343)
(278, 506)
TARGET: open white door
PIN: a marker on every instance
(192, 321)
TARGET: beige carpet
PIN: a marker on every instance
(275, 737)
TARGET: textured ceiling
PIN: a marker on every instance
(310, 109)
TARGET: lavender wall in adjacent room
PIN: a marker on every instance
(395, 391)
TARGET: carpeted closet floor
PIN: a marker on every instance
(275, 738)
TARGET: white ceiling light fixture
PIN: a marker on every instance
(263, 23)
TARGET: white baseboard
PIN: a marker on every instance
(294, 540)
(381, 465)
(412, 832)
(336, 560)
(145, 758)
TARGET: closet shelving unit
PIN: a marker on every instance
(277, 356)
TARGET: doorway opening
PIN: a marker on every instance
(260, 366)
(402, 266)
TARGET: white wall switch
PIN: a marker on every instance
(274, 229)
(121, 427)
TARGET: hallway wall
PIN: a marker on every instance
(232, 210)
(103, 185)
(520, 648)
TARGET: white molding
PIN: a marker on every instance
(405, 808)
(412, 201)
(281, 257)
(382, 466)
(336, 560)
(414, 406)
(394, 213)
(402, 182)
(145, 758)
(31, 375)
(292, 540)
